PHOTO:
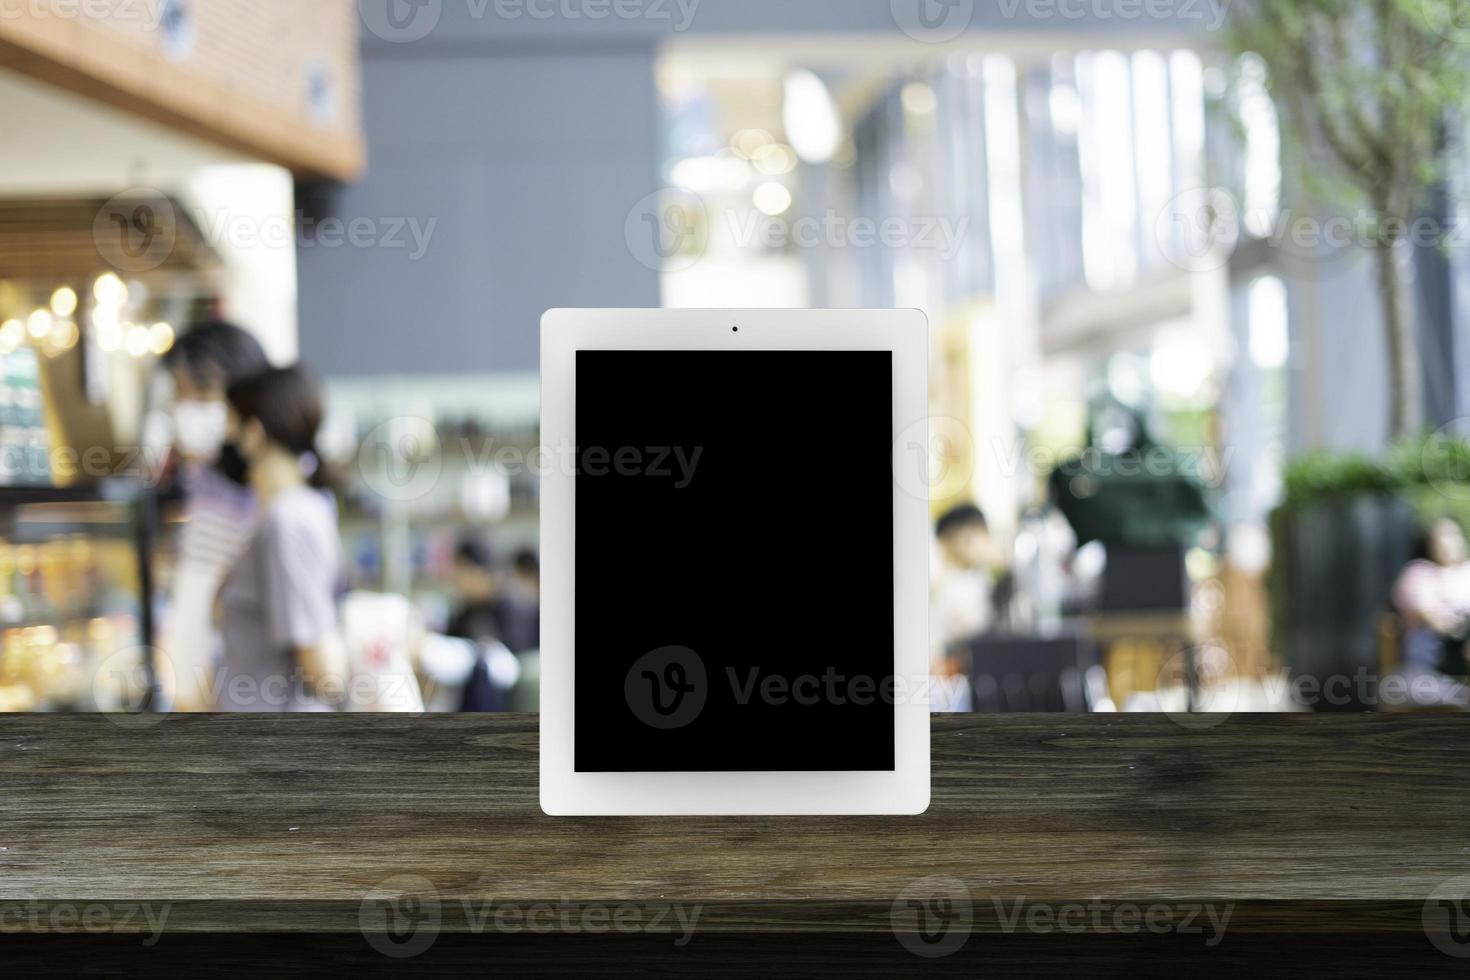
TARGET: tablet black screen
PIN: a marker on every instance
(734, 561)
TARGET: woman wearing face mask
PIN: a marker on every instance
(278, 604)
(219, 509)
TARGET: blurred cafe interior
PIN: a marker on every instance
(1180, 470)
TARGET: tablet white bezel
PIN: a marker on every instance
(566, 792)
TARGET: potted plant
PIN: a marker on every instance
(1364, 88)
(1341, 537)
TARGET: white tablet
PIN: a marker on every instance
(734, 605)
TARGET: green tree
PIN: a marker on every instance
(1365, 88)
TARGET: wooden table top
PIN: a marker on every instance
(288, 823)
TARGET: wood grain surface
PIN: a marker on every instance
(1297, 822)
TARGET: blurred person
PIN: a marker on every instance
(964, 581)
(482, 619)
(219, 509)
(520, 607)
(960, 599)
(203, 364)
(477, 617)
(278, 610)
(1433, 596)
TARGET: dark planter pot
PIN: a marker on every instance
(1336, 561)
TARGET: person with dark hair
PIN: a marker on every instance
(203, 363)
(282, 649)
(520, 606)
(219, 510)
(477, 618)
(958, 518)
(1433, 596)
(960, 598)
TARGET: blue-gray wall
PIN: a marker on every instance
(528, 163)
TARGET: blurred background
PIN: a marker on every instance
(1194, 269)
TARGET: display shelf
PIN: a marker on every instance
(131, 519)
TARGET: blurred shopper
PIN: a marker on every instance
(477, 618)
(960, 600)
(1433, 596)
(963, 584)
(282, 650)
(482, 620)
(520, 607)
(219, 508)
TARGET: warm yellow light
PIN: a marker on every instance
(160, 338)
(919, 99)
(775, 159)
(109, 290)
(66, 335)
(109, 335)
(136, 340)
(772, 198)
(746, 142)
(64, 301)
(39, 324)
(12, 335)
